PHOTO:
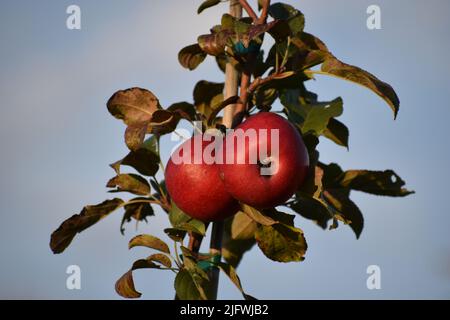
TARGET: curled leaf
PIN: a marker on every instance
(357, 75)
(63, 236)
(207, 4)
(138, 211)
(191, 56)
(125, 285)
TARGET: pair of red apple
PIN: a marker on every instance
(263, 170)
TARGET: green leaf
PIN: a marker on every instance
(238, 238)
(230, 271)
(177, 216)
(337, 132)
(257, 215)
(193, 225)
(187, 286)
(133, 106)
(137, 211)
(182, 221)
(310, 117)
(333, 66)
(145, 160)
(149, 241)
(132, 183)
(90, 215)
(294, 18)
(281, 242)
(207, 4)
(382, 183)
(319, 115)
(151, 143)
(191, 56)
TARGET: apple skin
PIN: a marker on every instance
(197, 188)
(245, 182)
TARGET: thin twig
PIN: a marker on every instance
(264, 12)
(258, 82)
(241, 108)
(251, 13)
(195, 241)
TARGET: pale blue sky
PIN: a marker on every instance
(57, 140)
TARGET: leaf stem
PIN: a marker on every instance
(286, 54)
(177, 257)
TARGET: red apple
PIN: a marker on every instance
(193, 182)
(244, 164)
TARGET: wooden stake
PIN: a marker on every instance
(231, 89)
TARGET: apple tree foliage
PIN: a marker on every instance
(280, 74)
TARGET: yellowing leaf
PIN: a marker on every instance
(129, 183)
(281, 242)
(146, 240)
(357, 75)
(133, 106)
(257, 215)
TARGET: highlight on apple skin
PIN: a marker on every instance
(244, 181)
